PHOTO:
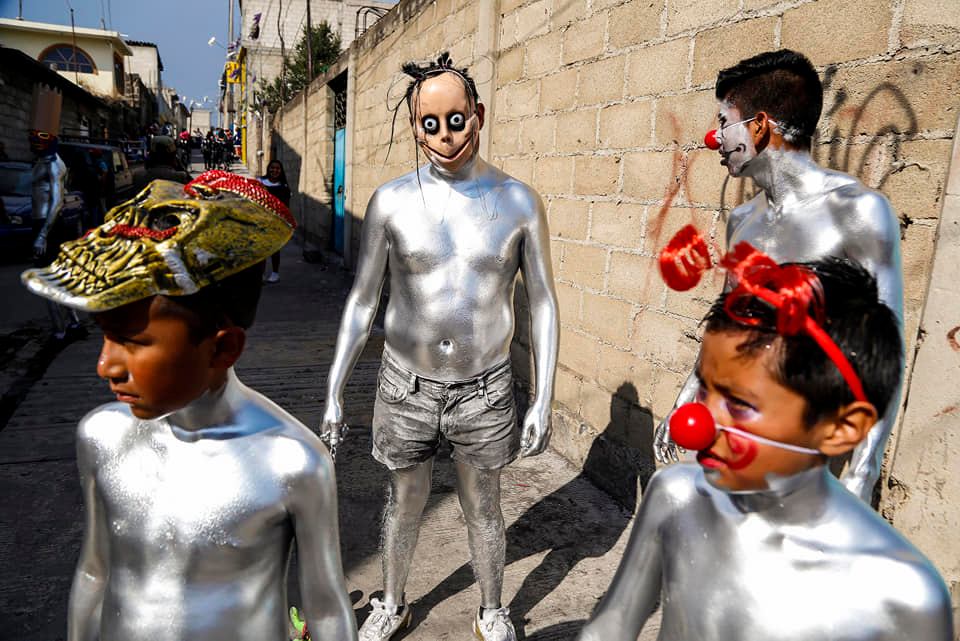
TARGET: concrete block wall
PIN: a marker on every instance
(601, 105)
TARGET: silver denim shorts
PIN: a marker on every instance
(478, 416)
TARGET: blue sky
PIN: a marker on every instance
(179, 28)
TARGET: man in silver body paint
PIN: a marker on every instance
(769, 106)
(453, 236)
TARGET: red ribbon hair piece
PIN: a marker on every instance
(684, 259)
(249, 188)
(793, 291)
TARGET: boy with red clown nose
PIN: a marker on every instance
(757, 540)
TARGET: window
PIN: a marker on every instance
(63, 57)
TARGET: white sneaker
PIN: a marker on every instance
(383, 622)
(494, 625)
(273, 277)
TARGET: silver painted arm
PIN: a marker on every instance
(883, 260)
(313, 505)
(358, 314)
(537, 271)
(90, 578)
(633, 593)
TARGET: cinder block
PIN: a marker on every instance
(705, 176)
(626, 126)
(663, 223)
(567, 11)
(508, 30)
(659, 68)
(812, 29)
(917, 256)
(505, 137)
(595, 406)
(533, 20)
(607, 318)
(509, 66)
(927, 22)
(916, 190)
(566, 390)
(584, 39)
(584, 265)
(601, 81)
(620, 370)
(723, 47)
(542, 55)
(902, 96)
(569, 302)
(684, 119)
(634, 277)
(647, 174)
(536, 134)
(553, 174)
(683, 15)
(596, 174)
(569, 218)
(558, 90)
(618, 224)
(519, 168)
(665, 390)
(664, 340)
(635, 22)
(578, 353)
(577, 130)
(518, 99)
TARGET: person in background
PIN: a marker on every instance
(275, 181)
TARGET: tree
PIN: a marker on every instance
(293, 79)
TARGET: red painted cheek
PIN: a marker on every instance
(743, 451)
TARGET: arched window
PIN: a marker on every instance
(64, 57)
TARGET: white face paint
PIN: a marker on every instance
(736, 143)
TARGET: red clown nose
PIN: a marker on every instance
(692, 427)
(710, 140)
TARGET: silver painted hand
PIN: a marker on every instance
(535, 435)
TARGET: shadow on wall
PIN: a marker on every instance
(547, 527)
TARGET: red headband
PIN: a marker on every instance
(248, 188)
(793, 291)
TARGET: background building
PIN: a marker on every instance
(92, 58)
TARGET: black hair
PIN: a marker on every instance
(783, 84)
(231, 302)
(863, 328)
(420, 74)
(283, 172)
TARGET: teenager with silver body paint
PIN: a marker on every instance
(453, 236)
(803, 211)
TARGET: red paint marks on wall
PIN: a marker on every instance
(952, 338)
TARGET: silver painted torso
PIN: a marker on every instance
(805, 212)
(454, 254)
(49, 181)
(803, 561)
(191, 518)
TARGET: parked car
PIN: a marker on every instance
(88, 162)
(16, 210)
